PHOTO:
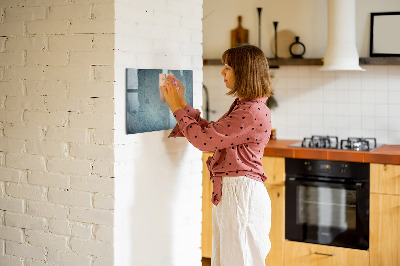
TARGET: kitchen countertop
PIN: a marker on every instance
(389, 154)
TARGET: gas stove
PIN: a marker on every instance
(332, 142)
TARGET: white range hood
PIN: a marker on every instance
(341, 51)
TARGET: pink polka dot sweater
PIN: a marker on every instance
(238, 139)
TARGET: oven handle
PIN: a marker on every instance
(357, 185)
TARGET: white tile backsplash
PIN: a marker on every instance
(291, 71)
(381, 97)
(329, 109)
(382, 110)
(343, 103)
(380, 71)
(342, 109)
(292, 82)
(381, 122)
(367, 97)
(393, 71)
(367, 83)
(381, 83)
(394, 110)
(342, 123)
(367, 110)
(394, 97)
(368, 123)
(394, 137)
(382, 136)
(304, 72)
(304, 82)
(394, 124)
(354, 83)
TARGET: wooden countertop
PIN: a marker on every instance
(389, 154)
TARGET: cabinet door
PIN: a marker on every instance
(385, 178)
(384, 230)
(277, 233)
(274, 168)
(206, 226)
(304, 254)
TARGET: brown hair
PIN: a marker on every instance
(250, 66)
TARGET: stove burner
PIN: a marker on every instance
(358, 144)
(332, 142)
(328, 142)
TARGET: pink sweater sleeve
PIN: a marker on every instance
(229, 131)
(193, 113)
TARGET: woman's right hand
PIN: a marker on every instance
(181, 91)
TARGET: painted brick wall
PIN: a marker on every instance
(56, 132)
(158, 180)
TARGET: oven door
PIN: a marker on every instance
(327, 213)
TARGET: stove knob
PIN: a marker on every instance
(308, 166)
(343, 168)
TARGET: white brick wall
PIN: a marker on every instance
(25, 221)
(47, 210)
(11, 233)
(56, 132)
(25, 251)
(68, 258)
(46, 240)
(156, 178)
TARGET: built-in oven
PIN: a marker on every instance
(327, 202)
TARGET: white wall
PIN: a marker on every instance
(56, 132)
(158, 180)
(344, 103)
(305, 18)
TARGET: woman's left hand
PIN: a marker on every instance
(171, 95)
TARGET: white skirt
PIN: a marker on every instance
(241, 223)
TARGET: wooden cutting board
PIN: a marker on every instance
(239, 35)
(285, 39)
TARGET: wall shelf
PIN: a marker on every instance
(380, 61)
(274, 63)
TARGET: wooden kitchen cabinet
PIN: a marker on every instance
(206, 225)
(277, 233)
(305, 254)
(384, 237)
(385, 178)
(274, 168)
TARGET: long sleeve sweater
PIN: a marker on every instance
(238, 139)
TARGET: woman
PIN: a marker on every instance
(242, 208)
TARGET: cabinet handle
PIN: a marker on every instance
(324, 254)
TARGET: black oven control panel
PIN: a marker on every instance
(335, 169)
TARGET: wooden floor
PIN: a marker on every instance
(206, 261)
